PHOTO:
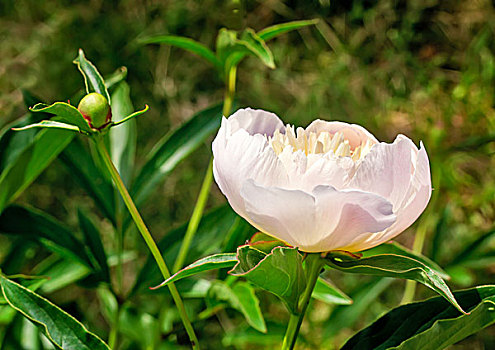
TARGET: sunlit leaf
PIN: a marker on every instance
(212, 262)
(92, 78)
(277, 29)
(63, 330)
(390, 265)
(429, 325)
(279, 272)
(328, 293)
(64, 113)
(49, 124)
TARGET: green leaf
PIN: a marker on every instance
(346, 316)
(173, 148)
(328, 293)
(390, 265)
(213, 225)
(93, 242)
(226, 40)
(92, 78)
(64, 113)
(186, 44)
(397, 249)
(63, 330)
(49, 124)
(131, 116)
(59, 273)
(429, 325)
(279, 272)
(123, 139)
(38, 226)
(242, 298)
(81, 165)
(213, 262)
(21, 172)
(277, 29)
(115, 78)
(257, 46)
(472, 250)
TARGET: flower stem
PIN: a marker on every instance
(195, 218)
(313, 266)
(141, 226)
(199, 207)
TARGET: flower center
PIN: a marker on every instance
(317, 143)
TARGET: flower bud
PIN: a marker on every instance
(95, 109)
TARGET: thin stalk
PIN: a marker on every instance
(313, 266)
(195, 218)
(114, 330)
(207, 181)
(141, 226)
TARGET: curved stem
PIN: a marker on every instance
(313, 266)
(141, 226)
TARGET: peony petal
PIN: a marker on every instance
(344, 216)
(355, 134)
(387, 170)
(284, 214)
(255, 121)
(415, 201)
(325, 220)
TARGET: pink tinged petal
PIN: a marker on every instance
(355, 134)
(242, 157)
(325, 220)
(415, 201)
(387, 170)
(284, 214)
(255, 121)
(344, 216)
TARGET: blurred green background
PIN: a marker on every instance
(425, 69)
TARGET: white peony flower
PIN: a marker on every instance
(327, 187)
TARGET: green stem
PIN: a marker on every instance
(314, 264)
(141, 226)
(195, 218)
(207, 181)
(112, 338)
(419, 241)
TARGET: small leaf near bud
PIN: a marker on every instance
(95, 109)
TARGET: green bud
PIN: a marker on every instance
(95, 109)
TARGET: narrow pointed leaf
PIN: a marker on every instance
(22, 171)
(429, 325)
(133, 115)
(63, 330)
(390, 265)
(397, 249)
(277, 29)
(49, 124)
(38, 226)
(64, 113)
(93, 241)
(92, 78)
(81, 165)
(186, 44)
(216, 261)
(123, 139)
(257, 46)
(173, 148)
(116, 77)
(328, 293)
(240, 297)
(279, 272)
(213, 224)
